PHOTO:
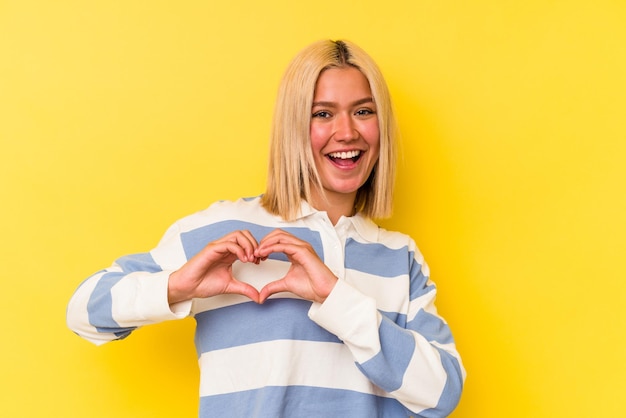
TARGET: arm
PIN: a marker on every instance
(131, 293)
(414, 360)
(158, 286)
(413, 357)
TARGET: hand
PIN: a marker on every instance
(210, 272)
(308, 277)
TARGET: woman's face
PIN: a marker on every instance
(345, 138)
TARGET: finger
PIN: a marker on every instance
(272, 288)
(294, 252)
(248, 235)
(241, 288)
(229, 247)
(278, 235)
(248, 242)
(271, 242)
(245, 240)
(273, 232)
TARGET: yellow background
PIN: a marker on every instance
(119, 117)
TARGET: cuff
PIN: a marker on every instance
(143, 297)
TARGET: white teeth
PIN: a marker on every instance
(344, 155)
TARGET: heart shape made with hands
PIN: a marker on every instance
(210, 272)
(306, 277)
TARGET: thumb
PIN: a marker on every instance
(240, 288)
(271, 288)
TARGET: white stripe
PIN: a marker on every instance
(169, 256)
(140, 299)
(282, 363)
(391, 293)
(78, 321)
(424, 377)
(392, 239)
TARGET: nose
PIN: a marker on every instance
(345, 130)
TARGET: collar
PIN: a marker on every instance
(364, 226)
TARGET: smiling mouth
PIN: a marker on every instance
(345, 157)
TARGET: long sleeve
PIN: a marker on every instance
(411, 356)
(131, 293)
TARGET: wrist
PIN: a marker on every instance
(327, 290)
(175, 292)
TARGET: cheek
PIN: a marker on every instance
(318, 137)
(371, 134)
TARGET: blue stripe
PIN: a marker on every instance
(376, 259)
(419, 282)
(400, 348)
(248, 323)
(195, 240)
(386, 369)
(398, 318)
(100, 305)
(300, 402)
(432, 327)
(138, 262)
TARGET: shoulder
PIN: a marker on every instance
(395, 241)
(243, 211)
(374, 233)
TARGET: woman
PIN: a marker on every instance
(304, 307)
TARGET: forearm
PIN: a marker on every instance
(425, 376)
(111, 304)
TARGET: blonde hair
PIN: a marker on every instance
(292, 169)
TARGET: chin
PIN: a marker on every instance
(344, 188)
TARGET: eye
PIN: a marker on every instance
(365, 112)
(322, 114)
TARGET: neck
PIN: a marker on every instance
(334, 204)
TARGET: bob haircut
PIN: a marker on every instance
(292, 170)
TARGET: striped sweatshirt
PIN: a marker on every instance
(375, 348)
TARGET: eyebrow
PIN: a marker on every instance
(333, 104)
